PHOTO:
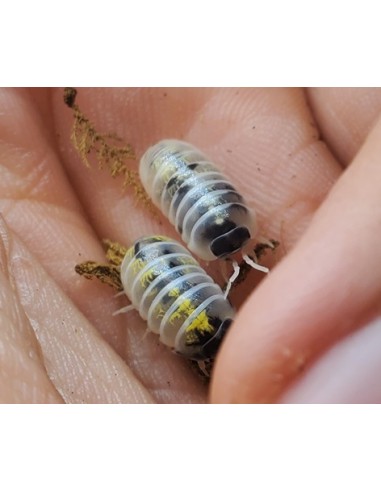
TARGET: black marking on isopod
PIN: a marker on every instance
(230, 242)
(193, 165)
(211, 347)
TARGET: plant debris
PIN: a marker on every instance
(109, 150)
(108, 273)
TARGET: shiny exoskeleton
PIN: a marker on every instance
(178, 299)
(203, 205)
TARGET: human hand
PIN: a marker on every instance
(56, 210)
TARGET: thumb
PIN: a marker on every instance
(328, 286)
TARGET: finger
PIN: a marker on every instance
(38, 201)
(329, 285)
(23, 378)
(345, 116)
(82, 366)
(348, 372)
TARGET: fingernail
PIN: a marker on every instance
(349, 372)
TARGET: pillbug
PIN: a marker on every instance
(180, 302)
(209, 213)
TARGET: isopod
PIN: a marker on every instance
(205, 208)
(173, 293)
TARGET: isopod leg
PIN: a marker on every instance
(255, 265)
(125, 309)
(232, 278)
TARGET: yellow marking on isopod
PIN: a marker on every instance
(161, 238)
(137, 265)
(159, 311)
(130, 252)
(200, 324)
(175, 292)
(147, 277)
(156, 164)
(188, 260)
(168, 173)
(184, 310)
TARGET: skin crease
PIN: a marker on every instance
(271, 143)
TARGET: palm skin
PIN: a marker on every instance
(59, 341)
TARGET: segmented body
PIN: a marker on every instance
(203, 205)
(178, 299)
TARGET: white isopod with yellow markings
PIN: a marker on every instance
(209, 213)
(174, 294)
